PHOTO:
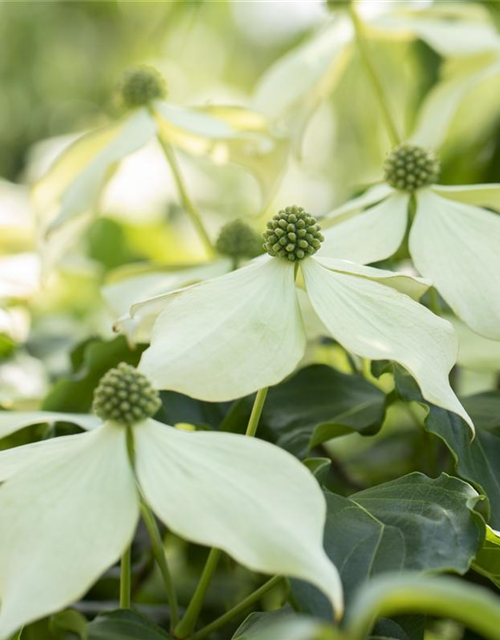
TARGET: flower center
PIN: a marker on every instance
(140, 85)
(126, 396)
(292, 234)
(238, 240)
(409, 167)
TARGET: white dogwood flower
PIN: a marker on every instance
(69, 506)
(453, 240)
(67, 194)
(229, 336)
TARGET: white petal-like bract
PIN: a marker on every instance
(63, 522)
(239, 494)
(377, 322)
(480, 195)
(369, 236)
(12, 421)
(227, 337)
(457, 247)
(77, 177)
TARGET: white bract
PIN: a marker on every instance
(229, 336)
(69, 507)
(453, 242)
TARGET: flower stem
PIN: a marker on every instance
(258, 405)
(188, 622)
(239, 608)
(371, 71)
(187, 203)
(125, 579)
(159, 554)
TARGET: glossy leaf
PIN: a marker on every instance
(388, 528)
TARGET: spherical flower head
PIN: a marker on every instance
(292, 234)
(238, 240)
(141, 85)
(125, 396)
(409, 167)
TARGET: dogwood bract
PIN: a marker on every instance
(227, 337)
(69, 506)
(453, 241)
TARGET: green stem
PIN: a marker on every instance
(187, 203)
(159, 554)
(371, 71)
(125, 579)
(258, 405)
(239, 608)
(188, 622)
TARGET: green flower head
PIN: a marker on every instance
(292, 234)
(238, 240)
(125, 396)
(139, 86)
(409, 167)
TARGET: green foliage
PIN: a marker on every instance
(388, 528)
(124, 625)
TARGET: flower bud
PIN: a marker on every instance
(126, 396)
(292, 234)
(409, 167)
(238, 240)
(139, 86)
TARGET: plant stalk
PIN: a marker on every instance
(125, 579)
(371, 71)
(239, 608)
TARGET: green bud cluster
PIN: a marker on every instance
(292, 234)
(409, 167)
(140, 85)
(126, 396)
(238, 240)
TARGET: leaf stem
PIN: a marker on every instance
(159, 554)
(188, 622)
(186, 201)
(125, 579)
(371, 71)
(257, 408)
(239, 608)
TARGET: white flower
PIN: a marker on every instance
(453, 240)
(229, 336)
(69, 506)
(66, 196)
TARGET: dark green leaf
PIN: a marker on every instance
(319, 403)
(477, 461)
(125, 625)
(413, 523)
(74, 394)
(68, 621)
(180, 408)
(487, 561)
(319, 467)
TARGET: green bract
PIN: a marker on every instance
(292, 234)
(125, 396)
(410, 167)
(140, 86)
